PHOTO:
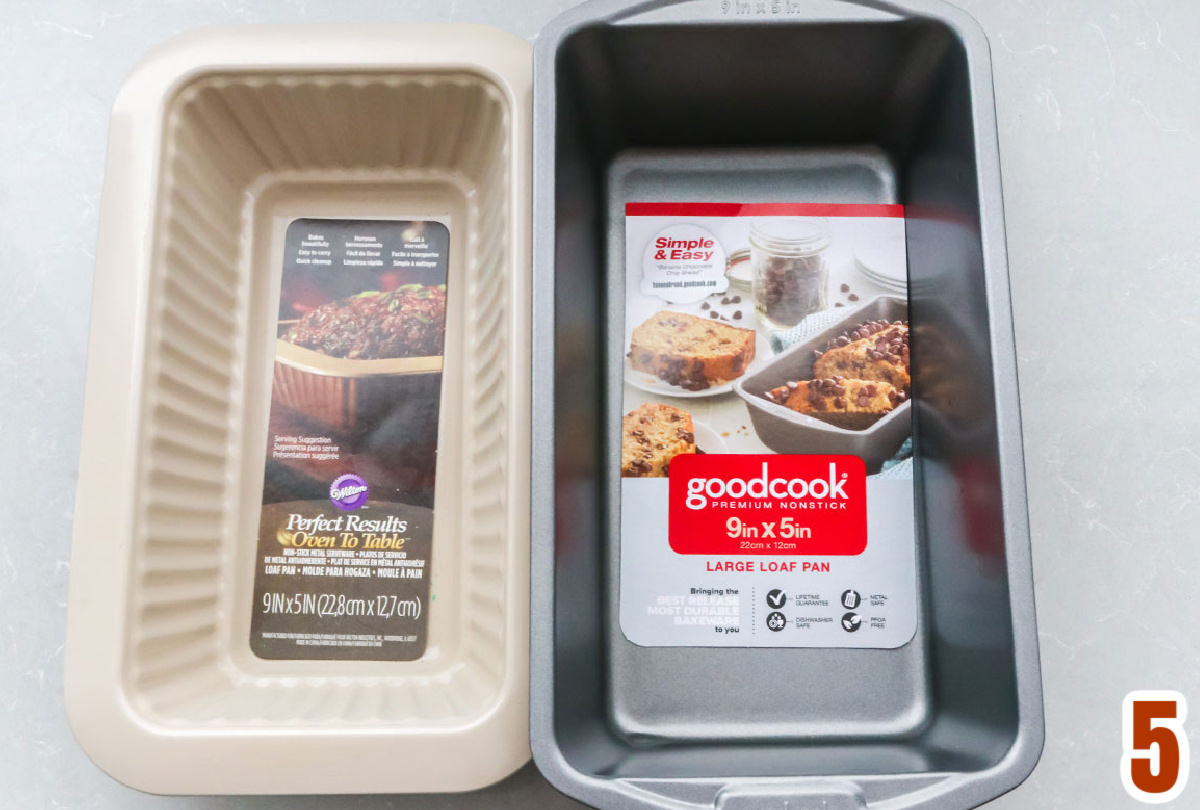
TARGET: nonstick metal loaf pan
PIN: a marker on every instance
(746, 103)
(304, 568)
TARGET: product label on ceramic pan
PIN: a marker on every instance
(766, 435)
(345, 538)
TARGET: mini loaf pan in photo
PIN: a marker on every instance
(787, 431)
(222, 143)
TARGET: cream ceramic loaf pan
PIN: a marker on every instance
(219, 140)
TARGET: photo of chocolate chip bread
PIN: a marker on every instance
(876, 350)
(851, 404)
(861, 376)
(652, 435)
(691, 352)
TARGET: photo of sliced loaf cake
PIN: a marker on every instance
(652, 435)
(851, 404)
(691, 352)
(877, 350)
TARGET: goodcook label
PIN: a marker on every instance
(766, 451)
(764, 504)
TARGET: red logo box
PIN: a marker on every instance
(767, 504)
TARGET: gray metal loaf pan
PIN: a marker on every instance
(798, 101)
(786, 431)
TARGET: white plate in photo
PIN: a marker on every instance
(653, 385)
(707, 439)
(882, 281)
(883, 260)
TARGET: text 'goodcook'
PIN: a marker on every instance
(700, 490)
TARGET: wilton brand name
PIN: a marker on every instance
(346, 493)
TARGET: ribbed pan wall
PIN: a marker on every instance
(227, 137)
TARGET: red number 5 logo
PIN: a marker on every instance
(1154, 766)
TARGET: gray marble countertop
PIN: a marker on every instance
(1100, 143)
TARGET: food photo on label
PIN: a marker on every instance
(860, 376)
(691, 352)
(736, 352)
(406, 322)
(651, 436)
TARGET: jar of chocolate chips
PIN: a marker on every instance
(790, 277)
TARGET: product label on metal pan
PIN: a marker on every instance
(345, 539)
(766, 437)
